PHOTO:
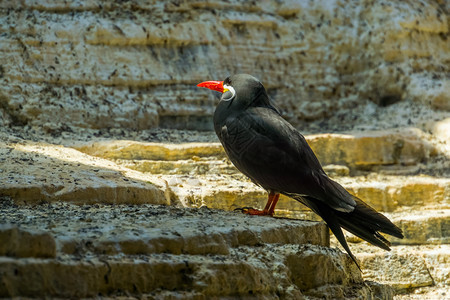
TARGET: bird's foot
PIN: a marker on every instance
(253, 212)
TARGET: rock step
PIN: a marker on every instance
(47, 173)
(60, 228)
(118, 250)
(195, 166)
(397, 193)
(210, 165)
(37, 172)
(406, 267)
(361, 150)
(430, 223)
(134, 150)
(384, 193)
(266, 271)
(426, 227)
(40, 172)
(423, 227)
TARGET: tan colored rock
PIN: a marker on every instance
(132, 150)
(424, 227)
(21, 243)
(134, 66)
(441, 130)
(402, 272)
(396, 193)
(40, 172)
(438, 262)
(366, 151)
(194, 166)
(147, 229)
(421, 265)
(436, 292)
(90, 231)
(306, 275)
(336, 170)
(186, 252)
(207, 276)
(384, 193)
(369, 149)
(435, 92)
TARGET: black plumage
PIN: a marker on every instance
(274, 155)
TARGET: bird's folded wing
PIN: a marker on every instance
(270, 151)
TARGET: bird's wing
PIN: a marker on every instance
(270, 151)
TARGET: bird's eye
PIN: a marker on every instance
(229, 94)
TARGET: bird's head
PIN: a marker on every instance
(243, 89)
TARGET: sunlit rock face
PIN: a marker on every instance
(100, 64)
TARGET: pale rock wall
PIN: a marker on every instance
(134, 64)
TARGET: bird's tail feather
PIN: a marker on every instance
(334, 225)
(363, 222)
(366, 223)
(330, 217)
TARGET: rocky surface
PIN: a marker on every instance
(102, 186)
(148, 249)
(37, 172)
(134, 64)
(51, 238)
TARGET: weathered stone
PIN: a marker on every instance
(433, 292)
(420, 265)
(195, 166)
(136, 250)
(132, 150)
(365, 151)
(336, 170)
(427, 227)
(441, 130)
(438, 262)
(134, 65)
(402, 272)
(424, 227)
(396, 193)
(308, 271)
(116, 69)
(368, 149)
(16, 242)
(146, 229)
(246, 272)
(384, 193)
(36, 172)
(435, 92)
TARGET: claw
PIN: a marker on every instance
(253, 212)
(267, 211)
(242, 209)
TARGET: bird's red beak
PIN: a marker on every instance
(212, 85)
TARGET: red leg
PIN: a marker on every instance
(268, 210)
(275, 199)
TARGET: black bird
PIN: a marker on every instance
(275, 156)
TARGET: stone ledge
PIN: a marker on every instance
(397, 193)
(384, 193)
(367, 150)
(126, 46)
(40, 172)
(133, 150)
(288, 271)
(146, 229)
(108, 250)
(406, 268)
(20, 243)
(424, 227)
